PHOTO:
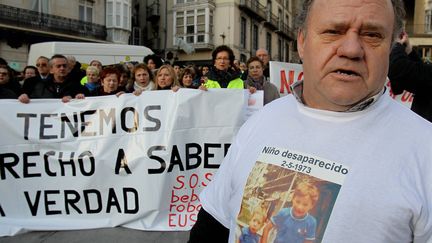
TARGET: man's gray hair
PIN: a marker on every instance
(398, 9)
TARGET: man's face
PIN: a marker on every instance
(263, 55)
(71, 64)
(345, 51)
(29, 72)
(59, 68)
(4, 75)
(42, 66)
(237, 63)
(177, 69)
(97, 64)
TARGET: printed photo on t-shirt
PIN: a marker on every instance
(288, 197)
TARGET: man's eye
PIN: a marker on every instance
(373, 35)
(332, 32)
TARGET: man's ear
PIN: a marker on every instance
(300, 42)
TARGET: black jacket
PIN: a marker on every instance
(408, 72)
(50, 89)
(6, 93)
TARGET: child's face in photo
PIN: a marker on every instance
(256, 223)
(301, 205)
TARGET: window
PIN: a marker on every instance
(269, 10)
(118, 14)
(243, 33)
(184, 1)
(125, 16)
(86, 10)
(180, 23)
(243, 58)
(41, 6)
(109, 14)
(287, 53)
(136, 36)
(268, 43)
(200, 25)
(255, 37)
(280, 19)
(191, 25)
(280, 49)
(428, 21)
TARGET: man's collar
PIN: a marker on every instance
(297, 91)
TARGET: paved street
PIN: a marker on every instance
(107, 235)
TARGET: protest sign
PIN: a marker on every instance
(138, 162)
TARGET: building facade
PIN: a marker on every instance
(187, 31)
(419, 26)
(24, 22)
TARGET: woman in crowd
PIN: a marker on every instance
(124, 76)
(223, 74)
(110, 80)
(29, 72)
(5, 76)
(93, 84)
(256, 80)
(166, 78)
(153, 62)
(95, 63)
(142, 79)
(187, 77)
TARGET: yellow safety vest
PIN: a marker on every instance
(233, 84)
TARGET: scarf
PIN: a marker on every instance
(92, 86)
(258, 84)
(150, 86)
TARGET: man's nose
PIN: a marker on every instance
(351, 46)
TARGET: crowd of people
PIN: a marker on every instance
(64, 78)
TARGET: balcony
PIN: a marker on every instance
(197, 45)
(254, 9)
(286, 31)
(18, 17)
(271, 21)
(419, 30)
(153, 11)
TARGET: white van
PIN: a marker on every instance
(85, 52)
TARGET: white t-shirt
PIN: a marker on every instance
(386, 196)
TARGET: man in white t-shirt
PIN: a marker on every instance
(369, 158)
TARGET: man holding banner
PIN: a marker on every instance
(368, 157)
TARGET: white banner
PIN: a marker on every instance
(138, 162)
(283, 74)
